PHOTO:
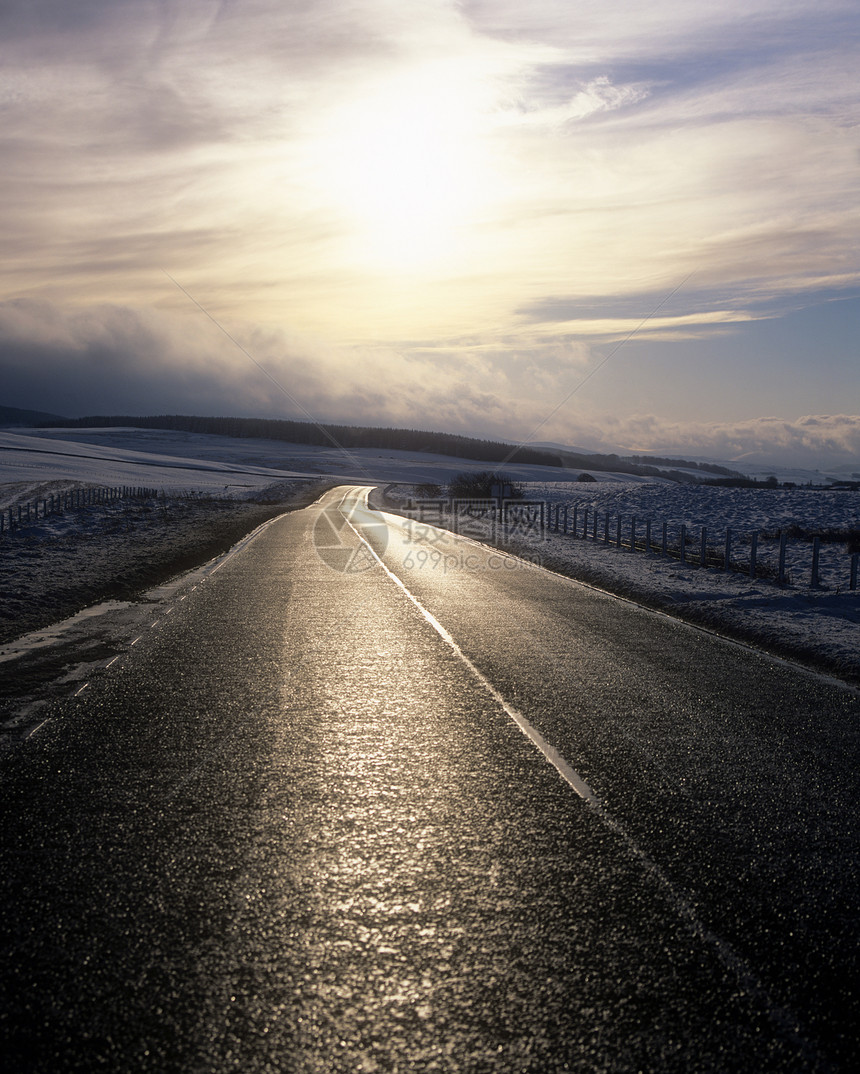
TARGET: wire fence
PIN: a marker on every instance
(26, 514)
(725, 549)
(780, 557)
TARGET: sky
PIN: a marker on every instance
(606, 225)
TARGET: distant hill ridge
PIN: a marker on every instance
(27, 419)
(354, 436)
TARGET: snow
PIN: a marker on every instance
(43, 459)
(744, 511)
(178, 461)
(818, 624)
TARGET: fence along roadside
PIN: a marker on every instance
(685, 550)
(609, 529)
(23, 514)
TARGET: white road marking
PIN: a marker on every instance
(566, 772)
(781, 1016)
(403, 523)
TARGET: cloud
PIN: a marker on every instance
(602, 150)
(503, 182)
(118, 360)
(112, 360)
(810, 441)
(617, 30)
(588, 98)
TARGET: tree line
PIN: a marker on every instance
(326, 435)
(358, 436)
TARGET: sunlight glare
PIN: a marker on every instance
(404, 166)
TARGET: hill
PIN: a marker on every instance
(12, 417)
(352, 437)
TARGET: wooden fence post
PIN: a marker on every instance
(703, 548)
(633, 534)
(618, 533)
(565, 518)
(574, 519)
(783, 539)
(606, 528)
(683, 543)
(853, 582)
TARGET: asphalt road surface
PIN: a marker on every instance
(377, 798)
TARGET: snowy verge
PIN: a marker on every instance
(818, 627)
(62, 564)
(61, 622)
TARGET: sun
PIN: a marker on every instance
(404, 166)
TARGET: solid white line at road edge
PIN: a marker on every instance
(552, 755)
(781, 1016)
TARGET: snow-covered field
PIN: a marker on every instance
(743, 511)
(177, 462)
(818, 624)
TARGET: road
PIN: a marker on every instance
(373, 797)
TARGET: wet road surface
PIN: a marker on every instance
(452, 813)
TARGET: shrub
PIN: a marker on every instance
(478, 485)
(849, 535)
